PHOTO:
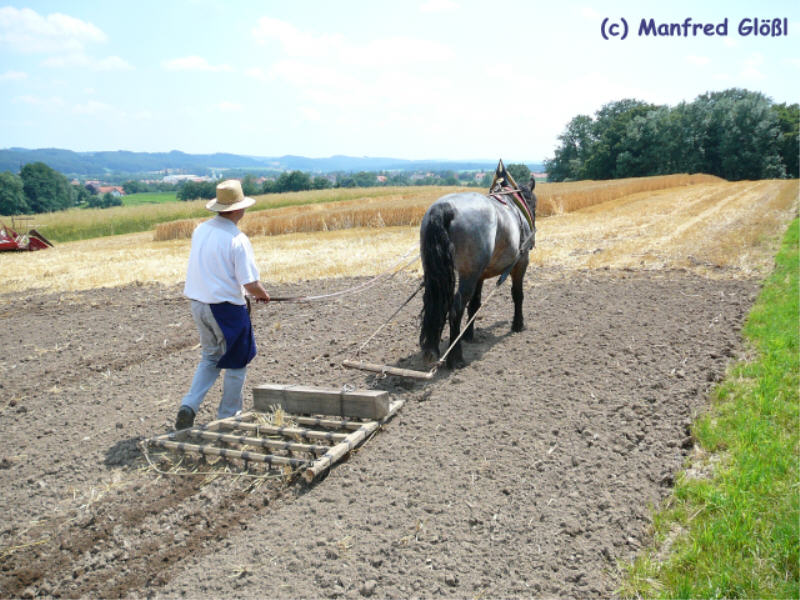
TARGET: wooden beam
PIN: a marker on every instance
(387, 370)
(307, 400)
(255, 441)
(308, 434)
(228, 453)
(335, 454)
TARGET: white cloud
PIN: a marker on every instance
(335, 49)
(795, 62)
(751, 66)
(338, 78)
(26, 31)
(438, 6)
(587, 12)
(13, 76)
(257, 73)
(112, 63)
(94, 108)
(81, 60)
(229, 106)
(310, 114)
(193, 63)
(51, 102)
(699, 61)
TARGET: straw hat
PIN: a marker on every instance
(229, 197)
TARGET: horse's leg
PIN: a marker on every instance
(466, 288)
(517, 275)
(474, 305)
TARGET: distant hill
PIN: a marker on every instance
(124, 162)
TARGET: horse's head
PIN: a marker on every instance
(530, 200)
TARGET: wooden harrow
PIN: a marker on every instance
(323, 426)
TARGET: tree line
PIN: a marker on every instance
(298, 181)
(734, 134)
(38, 189)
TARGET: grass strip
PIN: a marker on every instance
(735, 534)
(149, 198)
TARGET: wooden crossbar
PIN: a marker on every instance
(255, 441)
(329, 423)
(229, 453)
(308, 434)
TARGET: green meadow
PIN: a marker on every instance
(149, 198)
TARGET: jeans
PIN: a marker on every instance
(213, 344)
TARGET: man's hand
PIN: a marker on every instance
(257, 291)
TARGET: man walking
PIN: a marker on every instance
(221, 263)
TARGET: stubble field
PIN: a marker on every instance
(529, 473)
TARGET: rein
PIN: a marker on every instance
(387, 274)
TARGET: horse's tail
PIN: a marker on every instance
(436, 250)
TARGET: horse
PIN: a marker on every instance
(478, 237)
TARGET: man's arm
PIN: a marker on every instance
(257, 290)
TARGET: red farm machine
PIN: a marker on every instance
(11, 240)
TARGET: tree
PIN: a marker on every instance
(81, 195)
(134, 187)
(365, 179)
(46, 190)
(608, 133)
(399, 179)
(345, 181)
(294, 181)
(106, 200)
(788, 124)
(192, 190)
(321, 183)
(12, 195)
(249, 185)
(748, 144)
(521, 173)
(576, 145)
(736, 134)
(649, 145)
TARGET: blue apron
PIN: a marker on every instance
(240, 344)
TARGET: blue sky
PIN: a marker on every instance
(418, 79)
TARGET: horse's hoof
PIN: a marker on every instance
(456, 363)
(517, 327)
(469, 337)
(430, 357)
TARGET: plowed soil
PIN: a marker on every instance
(528, 473)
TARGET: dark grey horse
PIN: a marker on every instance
(478, 237)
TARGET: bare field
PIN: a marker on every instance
(550, 446)
(720, 228)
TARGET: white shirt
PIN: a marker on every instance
(221, 261)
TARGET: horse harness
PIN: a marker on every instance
(523, 211)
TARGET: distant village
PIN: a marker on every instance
(172, 180)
